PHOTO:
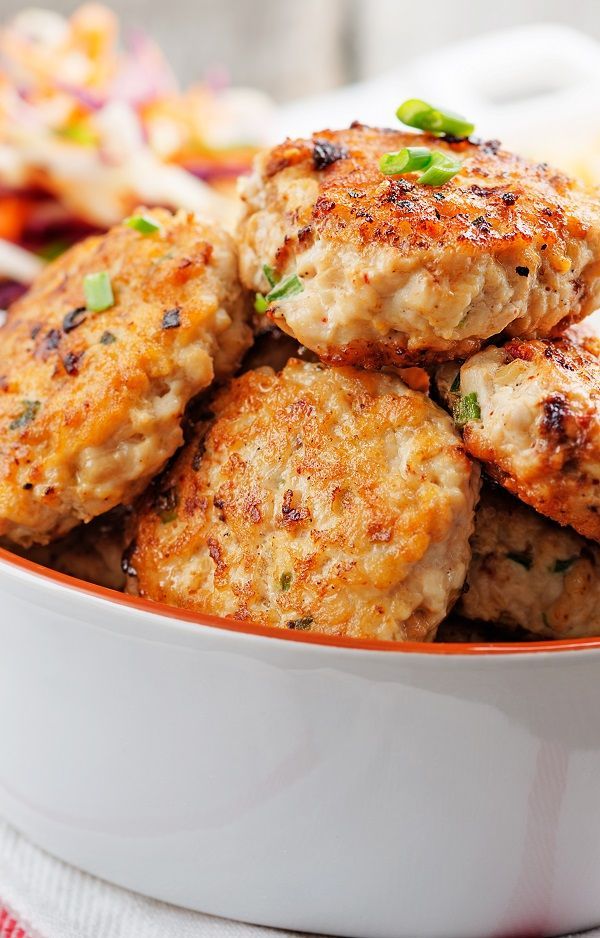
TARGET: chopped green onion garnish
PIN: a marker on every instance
(281, 291)
(271, 275)
(98, 291)
(407, 160)
(455, 386)
(145, 224)
(260, 303)
(438, 167)
(286, 288)
(524, 558)
(467, 408)
(415, 113)
(30, 409)
(561, 565)
(442, 167)
(285, 581)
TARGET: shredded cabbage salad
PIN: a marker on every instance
(90, 128)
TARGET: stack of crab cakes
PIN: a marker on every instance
(419, 306)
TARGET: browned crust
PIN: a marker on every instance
(497, 201)
(561, 486)
(394, 353)
(85, 370)
(224, 491)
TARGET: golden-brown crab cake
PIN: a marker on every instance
(92, 552)
(531, 413)
(529, 573)
(91, 402)
(323, 499)
(394, 272)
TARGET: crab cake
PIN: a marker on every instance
(394, 272)
(529, 573)
(531, 413)
(321, 499)
(91, 402)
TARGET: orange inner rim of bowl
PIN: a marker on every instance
(314, 638)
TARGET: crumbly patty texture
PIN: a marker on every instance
(537, 426)
(529, 573)
(400, 273)
(318, 499)
(91, 403)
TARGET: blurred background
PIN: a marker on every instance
(290, 48)
(165, 102)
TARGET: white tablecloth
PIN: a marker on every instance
(50, 899)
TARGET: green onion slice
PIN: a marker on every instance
(416, 113)
(282, 290)
(260, 303)
(467, 408)
(442, 167)
(271, 275)
(407, 160)
(98, 291)
(455, 386)
(145, 224)
(291, 286)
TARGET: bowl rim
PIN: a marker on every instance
(207, 620)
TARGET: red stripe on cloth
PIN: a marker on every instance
(10, 927)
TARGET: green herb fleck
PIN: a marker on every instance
(145, 224)
(467, 408)
(561, 565)
(300, 624)
(30, 409)
(455, 386)
(98, 291)
(285, 581)
(107, 338)
(525, 558)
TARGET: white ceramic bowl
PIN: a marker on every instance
(344, 788)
